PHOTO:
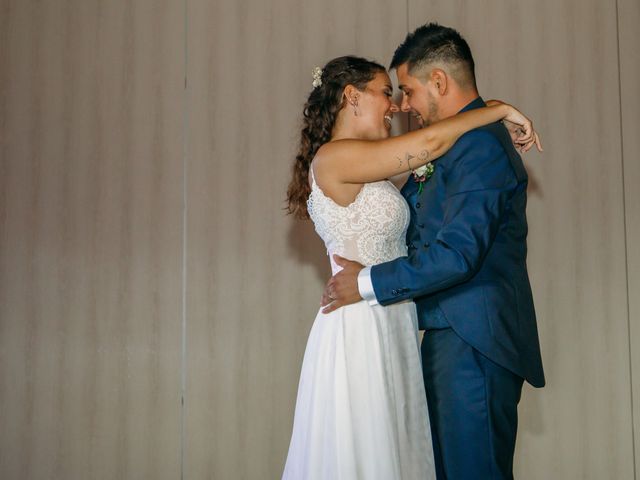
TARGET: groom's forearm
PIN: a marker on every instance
(368, 292)
(420, 274)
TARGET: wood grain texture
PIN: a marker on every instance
(255, 275)
(558, 62)
(94, 117)
(629, 39)
(90, 244)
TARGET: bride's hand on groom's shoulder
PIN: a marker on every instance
(523, 140)
(520, 128)
(342, 288)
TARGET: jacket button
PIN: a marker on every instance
(426, 245)
(421, 225)
(418, 205)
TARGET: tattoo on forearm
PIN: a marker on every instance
(409, 157)
(423, 156)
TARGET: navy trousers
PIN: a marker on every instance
(472, 407)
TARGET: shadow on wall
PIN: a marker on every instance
(308, 248)
(534, 187)
(531, 403)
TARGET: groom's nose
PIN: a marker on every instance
(404, 106)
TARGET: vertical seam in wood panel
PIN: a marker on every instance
(626, 248)
(409, 126)
(407, 15)
(185, 134)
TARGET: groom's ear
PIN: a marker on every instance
(439, 80)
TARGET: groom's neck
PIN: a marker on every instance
(457, 102)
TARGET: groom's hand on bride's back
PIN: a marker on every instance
(342, 288)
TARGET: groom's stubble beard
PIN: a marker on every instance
(433, 115)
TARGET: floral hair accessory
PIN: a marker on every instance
(317, 77)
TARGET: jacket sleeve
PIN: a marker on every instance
(478, 184)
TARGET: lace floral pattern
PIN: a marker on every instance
(370, 230)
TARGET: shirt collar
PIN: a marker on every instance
(477, 103)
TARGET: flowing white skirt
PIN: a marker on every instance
(361, 411)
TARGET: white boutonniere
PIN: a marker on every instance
(422, 174)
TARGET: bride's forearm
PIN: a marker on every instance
(362, 161)
(441, 135)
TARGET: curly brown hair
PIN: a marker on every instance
(319, 117)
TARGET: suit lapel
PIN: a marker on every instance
(409, 189)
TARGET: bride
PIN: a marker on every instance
(361, 410)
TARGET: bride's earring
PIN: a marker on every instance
(356, 112)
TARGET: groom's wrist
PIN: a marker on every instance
(365, 286)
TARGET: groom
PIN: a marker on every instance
(466, 268)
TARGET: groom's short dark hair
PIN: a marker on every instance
(433, 43)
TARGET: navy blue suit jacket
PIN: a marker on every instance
(466, 264)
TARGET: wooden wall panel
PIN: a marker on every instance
(90, 239)
(558, 61)
(629, 39)
(93, 116)
(255, 276)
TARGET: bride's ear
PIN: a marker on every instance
(351, 94)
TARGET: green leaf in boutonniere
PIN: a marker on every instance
(422, 174)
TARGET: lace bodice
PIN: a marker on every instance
(370, 230)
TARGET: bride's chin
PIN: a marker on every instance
(381, 135)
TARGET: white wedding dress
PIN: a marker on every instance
(361, 411)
